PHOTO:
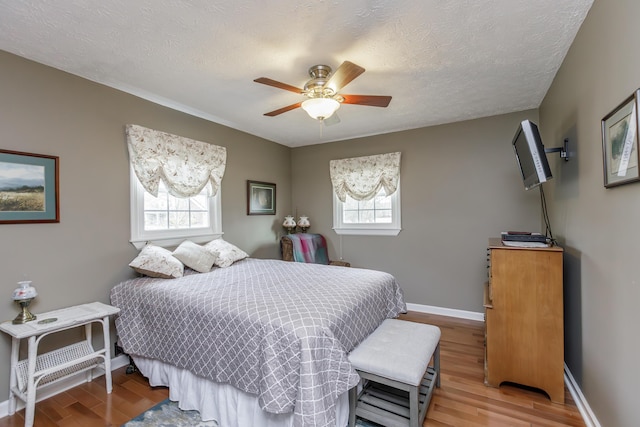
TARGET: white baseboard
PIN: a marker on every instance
(66, 384)
(4, 409)
(119, 362)
(581, 402)
(450, 312)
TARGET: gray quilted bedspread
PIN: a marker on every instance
(278, 330)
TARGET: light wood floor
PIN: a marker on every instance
(462, 400)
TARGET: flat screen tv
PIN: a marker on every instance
(530, 155)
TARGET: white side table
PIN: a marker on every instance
(27, 375)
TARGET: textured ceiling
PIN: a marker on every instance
(441, 60)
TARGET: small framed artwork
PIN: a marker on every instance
(28, 188)
(620, 143)
(261, 198)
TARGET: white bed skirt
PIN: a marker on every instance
(221, 402)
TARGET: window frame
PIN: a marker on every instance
(140, 236)
(392, 228)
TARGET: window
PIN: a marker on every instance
(366, 194)
(168, 220)
(171, 178)
(167, 212)
(378, 216)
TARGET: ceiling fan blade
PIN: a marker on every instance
(370, 100)
(345, 73)
(279, 85)
(283, 109)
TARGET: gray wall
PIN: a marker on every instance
(599, 227)
(45, 111)
(460, 185)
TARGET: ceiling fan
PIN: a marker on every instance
(322, 90)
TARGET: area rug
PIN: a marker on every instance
(167, 414)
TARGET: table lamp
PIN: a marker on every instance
(23, 295)
(289, 223)
(304, 223)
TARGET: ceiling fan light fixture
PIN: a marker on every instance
(320, 108)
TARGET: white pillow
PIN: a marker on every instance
(227, 253)
(195, 256)
(154, 261)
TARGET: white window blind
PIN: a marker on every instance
(184, 165)
(363, 177)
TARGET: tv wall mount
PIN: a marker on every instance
(564, 152)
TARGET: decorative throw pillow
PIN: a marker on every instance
(154, 261)
(227, 253)
(195, 256)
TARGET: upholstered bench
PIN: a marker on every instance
(397, 381)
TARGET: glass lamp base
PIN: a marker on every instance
(25, 315)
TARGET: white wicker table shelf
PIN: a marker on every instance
(38, 370)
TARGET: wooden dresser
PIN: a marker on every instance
(524, 336)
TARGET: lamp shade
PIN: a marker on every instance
(24, 291)
(289, 222)
(303, 222)
(320, 108)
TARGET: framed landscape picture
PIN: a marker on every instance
(261, 198)
(28, 188)
(620, 143)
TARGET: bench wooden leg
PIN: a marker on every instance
(414, 404)
(436, 364)
(353, 399)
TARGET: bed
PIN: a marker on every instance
(262, 342)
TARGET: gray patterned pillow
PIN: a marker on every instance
(195, 256)
(154, 261)
(227, 253)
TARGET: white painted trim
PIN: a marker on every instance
(588, 416)
(172, 242)
(4, 409)
(450, 312)
(64, 385)
(367, 231)
(380, 229)
(119, 362)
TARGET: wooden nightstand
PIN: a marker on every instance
(28, 375)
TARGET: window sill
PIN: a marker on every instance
(367, 231)
(175, 240)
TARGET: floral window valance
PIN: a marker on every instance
(184, 165)
(363, 177)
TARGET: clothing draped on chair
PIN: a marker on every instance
(310, 248)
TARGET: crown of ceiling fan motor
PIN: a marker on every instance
(315, 88)
(323, 101)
